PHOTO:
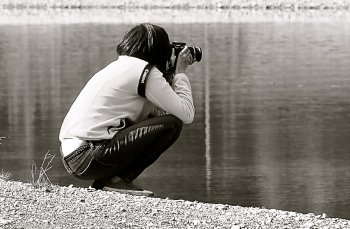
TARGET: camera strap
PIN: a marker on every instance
(141, 89)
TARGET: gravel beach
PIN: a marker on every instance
(23, 206)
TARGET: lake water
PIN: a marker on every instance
(272, 101)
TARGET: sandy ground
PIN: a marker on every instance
(23, 206)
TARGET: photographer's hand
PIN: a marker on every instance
(184, 59)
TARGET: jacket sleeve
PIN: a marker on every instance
(176, 100)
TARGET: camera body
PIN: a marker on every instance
(196, 52)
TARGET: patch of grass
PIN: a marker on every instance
(5, 175)
(39, 174)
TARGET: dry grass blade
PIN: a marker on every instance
(39, 175)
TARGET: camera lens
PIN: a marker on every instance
(196, 53)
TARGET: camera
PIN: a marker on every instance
(196, 52)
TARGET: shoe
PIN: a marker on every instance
(99, 184)
(126, 187)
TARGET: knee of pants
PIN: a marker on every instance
(177, 124)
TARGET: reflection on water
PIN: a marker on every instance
(272, 110)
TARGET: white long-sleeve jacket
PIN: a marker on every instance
(111, 96)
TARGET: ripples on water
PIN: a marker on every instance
(272, 109)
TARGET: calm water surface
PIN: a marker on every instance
(272, 101)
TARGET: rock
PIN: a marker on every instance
(308, 225)
(4, 222)
(196, 222)
(298, 218)
(268, 220)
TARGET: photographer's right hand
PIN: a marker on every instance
(184, 59)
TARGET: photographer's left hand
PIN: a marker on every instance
(184, 59)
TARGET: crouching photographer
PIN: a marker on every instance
(128, 114)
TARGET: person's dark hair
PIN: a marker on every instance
(148, 42)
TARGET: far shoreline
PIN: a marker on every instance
(16, 16)
(179, 4)
(171, 11)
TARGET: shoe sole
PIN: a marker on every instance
(130, 192)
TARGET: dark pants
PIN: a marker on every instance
(128, 153)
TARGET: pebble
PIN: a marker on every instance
(4, 221)
(308, 225)
(196, 222)
(268, 221)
